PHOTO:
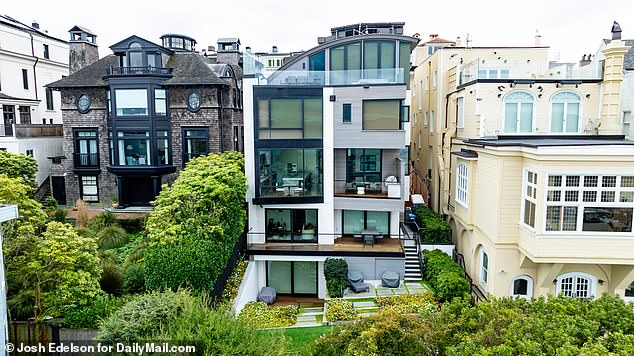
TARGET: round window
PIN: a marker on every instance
(193, 101)
(83, 103)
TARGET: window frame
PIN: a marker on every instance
(462, 184)
(592, 286)
(148, 102)
(626, 297)
(76, 144)
(187, 156)
(25, 79)
(518, 118)
(529, 287)
(81, 188)
(50, 105)
(346, 119)
(45, 51)
(399, 122)
(530, 199)
(553, 101)
(484, 270)
(460, 112)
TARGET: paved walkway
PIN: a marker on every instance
(309, 317)
(376, 290)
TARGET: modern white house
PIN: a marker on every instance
(31, 114)
(326, 151)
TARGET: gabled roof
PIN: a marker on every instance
(439, 40)
(145, 44)
(9, 21)
(89, 76)
(81, 29)
(7, 97)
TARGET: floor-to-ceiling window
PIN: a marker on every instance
(356, 221)
(297, 277)
(291, 225)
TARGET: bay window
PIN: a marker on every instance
(134, 148)
(131, 102)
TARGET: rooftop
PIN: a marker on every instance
(550, 141)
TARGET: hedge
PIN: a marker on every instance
(260, 315)
(336, 274)
(435, 229)
(445, 276)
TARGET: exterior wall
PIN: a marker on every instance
(374, 267)
(627, 101)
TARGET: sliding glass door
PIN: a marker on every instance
(297, 277)
(355, 221)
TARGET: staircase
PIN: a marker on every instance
(412, 264)
(43, 192)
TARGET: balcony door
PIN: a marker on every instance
(86, 148)
(292, 277)
(9, 119)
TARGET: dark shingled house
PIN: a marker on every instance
(134, 118)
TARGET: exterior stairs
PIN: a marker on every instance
(412, 265)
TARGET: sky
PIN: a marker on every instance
(570, 28)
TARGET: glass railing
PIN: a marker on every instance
(367, 189)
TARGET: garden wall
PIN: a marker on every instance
(248, 288)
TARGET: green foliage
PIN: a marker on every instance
(133, 278)
(340, 309)
(336, 274)
(59, 215)
(143, 315)
(31, 217)
(102, 220)
(435, 229)
(234, 281)
(89, 316)
(388, 333)
(260, 315)
(422, 303)
(217, 332)
(111, 280)
(133, 226)
(21, 305)
(445, 276)
(19, 166)
(196, 223)
(51, 204)
(111, 236)
(64, 269)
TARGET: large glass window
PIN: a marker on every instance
(590, 203)
(195, 143)
(363, 166)
(291, 225)
(162, 148)
(345, 64)
(381, 114)
(160, 102)
(565, 112)
(405, 51)
(356, 221)
(290, 172)
(518, 112)
(290, 118)
(86, 153)
(131, 102)
(298, 277)
(134, 148)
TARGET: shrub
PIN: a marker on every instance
(133, 279)
(51, 204)
(19, 166)
(234, 281)
(102, 220)
(111, 236)
(132, 226)
(260, 315)
(59, 215)
(445, 276)
(143, 316)
(111, 280)
(89, 316)
(340, 309)
(196, 222)
(336, 274)
(423, 303)
(436, 230)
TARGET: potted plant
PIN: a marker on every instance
(114, 201)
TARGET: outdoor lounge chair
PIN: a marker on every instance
(390, 279)
(359, 287)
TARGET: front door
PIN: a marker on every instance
(58, 186)
(137, 191)
(298, 277)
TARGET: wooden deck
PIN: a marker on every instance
(342, 246)
(300, 302)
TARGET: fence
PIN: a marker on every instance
(239, 250)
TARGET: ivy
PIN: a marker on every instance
(435, 229)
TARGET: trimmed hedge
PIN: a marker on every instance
(445, 276)
(435, 229)
(340, 309)
(336, 274)
(422, 303)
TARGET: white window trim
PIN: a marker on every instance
(484, 282)
(580, 204)
(426, 83)
(460, 110)
(529, 287)
(420, 96)
(435, 79)
(425, 119)
(431, 122)
(533, 200)
(592, 288)
(519, 114)
(550, 115)
(462, 184)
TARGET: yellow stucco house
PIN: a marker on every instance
(526, 160)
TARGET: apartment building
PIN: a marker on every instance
(326, 158)
(31, 113)
(134, 118)
(528, 162)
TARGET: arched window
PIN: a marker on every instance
(135, 56)
(565, 108)
(484, 268)
(522, 286)
(629, 293)
(577, 285)
(518, 112)
(462, 184)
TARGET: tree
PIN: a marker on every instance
(19, 166)
(195, 223)
(31, 217)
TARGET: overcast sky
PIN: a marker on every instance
(570, 27)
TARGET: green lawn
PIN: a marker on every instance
(301, 339)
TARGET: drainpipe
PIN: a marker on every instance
(451, 131)
(37, 59)
(221, 110)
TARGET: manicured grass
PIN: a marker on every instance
(300, 340)
(369, 299)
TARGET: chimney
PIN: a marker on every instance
(458, 42)
(585, 60)
(432, 36)
(274, 49)
(614, 55)
(538, 39)
(82, 49)
(616, 31)
(35, 25)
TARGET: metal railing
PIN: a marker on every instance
(147, 70)
(86, 160)
(477, 294)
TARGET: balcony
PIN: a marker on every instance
(130, 71)
(28, 130)
(381, 190)
(335, 77)
(85, 160)
(386, 246)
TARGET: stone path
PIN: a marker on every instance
(308, 317)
